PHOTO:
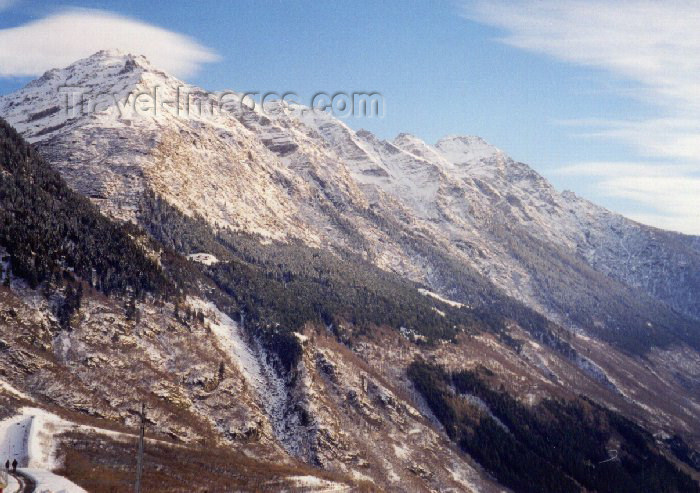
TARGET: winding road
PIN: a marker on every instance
(28, 437)
(26, 483)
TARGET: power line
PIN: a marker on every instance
(139, 459)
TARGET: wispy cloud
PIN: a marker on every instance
(653, 48)
(609, 169)
(668, 137)
(653, 43)
(62, 38)
(671, 190)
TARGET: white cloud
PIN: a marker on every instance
(675, 198)
(652, 43)
(668, 193)
(670, 222)
(672, 191)
(617, 168)
(669, 137)
(62, 38)
(652, 47)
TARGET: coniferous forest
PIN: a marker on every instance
(282, 286)
(555, 446)
(50, 232)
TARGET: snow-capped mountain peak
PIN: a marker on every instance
(104, 87)
(461, 149)
(115, 126)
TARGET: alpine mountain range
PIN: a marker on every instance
(307, 306)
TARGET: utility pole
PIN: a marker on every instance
(139, 459)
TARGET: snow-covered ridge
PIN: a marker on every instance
(466, 149)
(308, 176)
(289, 174)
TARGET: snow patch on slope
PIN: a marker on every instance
(203, 258)
(313, 483)
(466, 149)
(9, 388)
(436, 296)
(258, 373)
(46, 481)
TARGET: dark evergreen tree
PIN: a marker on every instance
(48, 230)
(556, 446)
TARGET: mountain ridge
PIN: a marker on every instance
(286, 173)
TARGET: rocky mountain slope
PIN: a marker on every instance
(86, 342)
(325, 263)
(286, 172)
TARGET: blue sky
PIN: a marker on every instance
(565, 85)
